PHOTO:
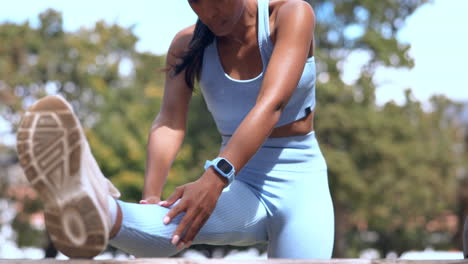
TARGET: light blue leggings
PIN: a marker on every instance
(281, 197)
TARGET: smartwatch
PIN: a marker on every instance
(223, 166)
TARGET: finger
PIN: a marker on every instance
(180, 246)
(179, 191)
(153, 200)
(150, 200)
(193, 230)
(175, 211)
(163, 203)
(189, 244)
(183, 225)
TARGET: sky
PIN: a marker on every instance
(437, 32)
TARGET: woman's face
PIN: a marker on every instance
(220, 16)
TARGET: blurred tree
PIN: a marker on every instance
(115, 91)
(462, 176)
(81, 66)
(391, 167)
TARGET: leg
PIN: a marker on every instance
(238, 219)
(57, 161)
(304, 228)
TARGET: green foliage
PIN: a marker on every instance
(26, 234)
(391, 168)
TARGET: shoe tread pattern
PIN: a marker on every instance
(49, 151)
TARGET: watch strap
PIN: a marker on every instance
(230, 175)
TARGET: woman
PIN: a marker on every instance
(255, 65)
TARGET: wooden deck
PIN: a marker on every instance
(223, 261)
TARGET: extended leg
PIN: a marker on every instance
(238, 219)
(56, 159)
(58, 162)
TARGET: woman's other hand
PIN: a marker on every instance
(151, 200)
(198, 200)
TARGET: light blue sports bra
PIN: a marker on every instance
(230, 100)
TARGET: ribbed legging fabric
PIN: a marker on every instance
(281, 197)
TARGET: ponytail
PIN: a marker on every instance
(192, 60)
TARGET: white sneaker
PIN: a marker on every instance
(57, 160)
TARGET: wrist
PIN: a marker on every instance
(153, 187)
(146, 196)
(151, 193)
(222, 168)
(215, 179)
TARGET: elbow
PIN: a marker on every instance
(272, 104)
(276, 106)
(275, 111)
(169, 122)
(279, 107)
(271, 109)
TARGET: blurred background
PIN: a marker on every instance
(392, 114)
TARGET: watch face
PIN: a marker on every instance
(224, 166)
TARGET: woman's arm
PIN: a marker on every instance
(295, 24)
(168, 129)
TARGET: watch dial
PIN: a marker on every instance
(224, 166)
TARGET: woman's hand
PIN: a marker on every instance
(198, 200)
(151, 200)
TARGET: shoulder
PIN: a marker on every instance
(294, 10)
(288, 14)
(180, 42)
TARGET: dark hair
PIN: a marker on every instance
(193, 58)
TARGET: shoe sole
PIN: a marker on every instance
(49, 145)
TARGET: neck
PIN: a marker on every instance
(247, 22)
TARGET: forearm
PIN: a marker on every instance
(163, 146)
(294, 27)
(251, 134)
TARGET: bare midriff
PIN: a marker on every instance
(297, 128)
